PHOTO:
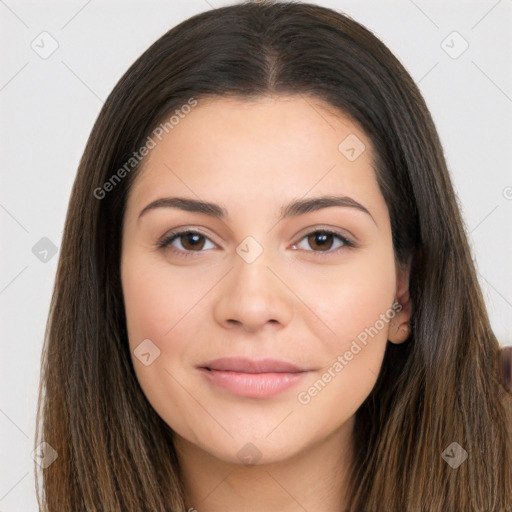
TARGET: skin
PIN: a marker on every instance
(298, 301)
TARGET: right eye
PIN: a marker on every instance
(190, 242)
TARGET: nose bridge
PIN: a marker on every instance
(252, 294)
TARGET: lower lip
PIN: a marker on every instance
(253, 385)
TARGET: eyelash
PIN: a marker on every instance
(167, 240)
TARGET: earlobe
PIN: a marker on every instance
(400, 334)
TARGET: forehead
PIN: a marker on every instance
(258, 149)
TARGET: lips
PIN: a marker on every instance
(244, 365)
(251, 378)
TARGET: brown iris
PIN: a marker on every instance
(191, 241)
(319, 238)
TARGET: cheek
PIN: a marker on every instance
(155, 300)
(160, 309)
(356, 305)
(353, 297)
(166, 306)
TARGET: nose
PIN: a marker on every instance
(254, 296)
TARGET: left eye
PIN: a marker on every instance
(323, 239)
(192, 241)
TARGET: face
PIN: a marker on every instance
(298, 298)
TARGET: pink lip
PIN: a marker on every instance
(245, 365)
(252, 378)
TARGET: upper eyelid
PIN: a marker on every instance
(335, 231)
(181, 231)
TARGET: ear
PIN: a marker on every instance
(400, 325)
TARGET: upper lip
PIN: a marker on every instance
(245, 365)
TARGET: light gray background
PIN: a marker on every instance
(48, 107)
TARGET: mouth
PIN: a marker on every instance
(252, 378)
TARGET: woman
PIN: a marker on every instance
(209, 348)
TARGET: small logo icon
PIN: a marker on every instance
(351, 147)
(249, 249)
(454, 455)
(454, 45)
(44, 250)
(249, 454)
(44, 45)
(44, 454)
(146, 352)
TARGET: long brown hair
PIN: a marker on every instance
(440, 387)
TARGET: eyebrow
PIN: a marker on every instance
(292, 209)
